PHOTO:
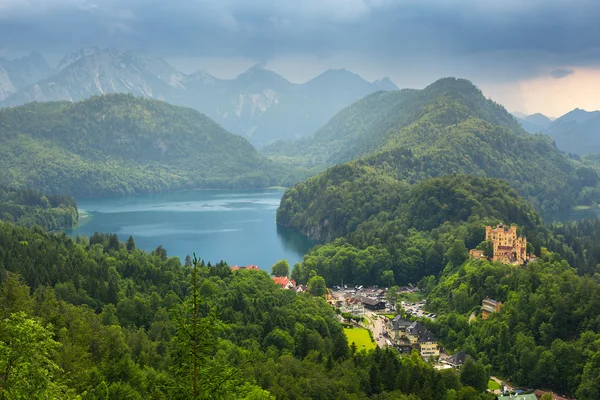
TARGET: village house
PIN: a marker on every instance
(397, 327)
(301, 289)
(457, 360)
(284, 282)
(420, 337)
(489, 306)
(372, 304)
(353, 306)
(247, 267)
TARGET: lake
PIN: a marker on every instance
(235, 226)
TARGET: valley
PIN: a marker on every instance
(392, 192)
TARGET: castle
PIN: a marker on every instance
(507, 247)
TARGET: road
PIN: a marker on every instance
(378, 328)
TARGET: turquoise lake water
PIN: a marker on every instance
(236, 226)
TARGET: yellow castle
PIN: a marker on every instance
(508, 247)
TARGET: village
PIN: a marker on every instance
(378, 317)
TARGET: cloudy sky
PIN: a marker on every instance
(530, 55)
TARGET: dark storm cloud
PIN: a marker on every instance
(561, 73)
(509, 36)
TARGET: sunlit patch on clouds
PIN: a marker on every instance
(561, 73)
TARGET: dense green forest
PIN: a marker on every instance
(28, 207)
(547, 334)
(391, 233)
(98, 319)
(396, 233)
(118, 144)
(448, 127)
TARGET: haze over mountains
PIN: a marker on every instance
(17, 74)
(258, 104)
(577, 132)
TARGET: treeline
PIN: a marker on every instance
(577, 242)
(398, 234)
(547, 332)
(28, 207)
(100, 319)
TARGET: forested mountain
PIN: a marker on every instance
(99, 319)
(258, 104)
(28, 207)
(380, 231)
(119, 144)
(449, 127)
(577, 132)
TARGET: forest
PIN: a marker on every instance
(99, 319)
(117, 144)
(448, 127)
(547, 332)
(397, 234)
(28, 207)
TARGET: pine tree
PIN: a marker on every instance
(130, 244)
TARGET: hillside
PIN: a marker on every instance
(369, 124)
(447, 128)
(258, 104)
(386, 226)
(99, 319)
(119, 144)
(26, 207)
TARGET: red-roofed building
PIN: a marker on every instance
(247, 267)
(284, 282)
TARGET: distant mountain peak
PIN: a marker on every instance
(258, 77)
(76, 56)
(201, 76)
(578, 115)
(385, 83)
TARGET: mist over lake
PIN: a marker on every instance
(235, 226)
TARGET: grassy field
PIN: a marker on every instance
(360, 337)
(412, 297)
(493, 385)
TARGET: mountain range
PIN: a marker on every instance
(576, 132)
(258, 104)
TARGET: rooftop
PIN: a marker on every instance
(458, 358)
(283, 281)
(400, 323)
